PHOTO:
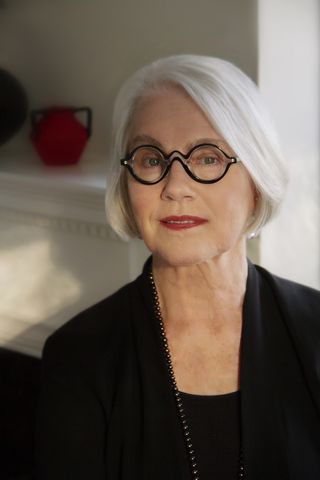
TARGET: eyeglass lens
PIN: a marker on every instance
(206, 162)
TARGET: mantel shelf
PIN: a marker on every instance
(73, 192)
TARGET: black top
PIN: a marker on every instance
(107, 410)
(214, 422)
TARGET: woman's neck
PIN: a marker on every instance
(210, 291)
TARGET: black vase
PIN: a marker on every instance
(13, 105)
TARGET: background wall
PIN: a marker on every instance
(77, 52)
(289, 77)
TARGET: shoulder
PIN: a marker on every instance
(300, 310)
(99, 331)
(299, 306)
(102, 315)
(292, 295)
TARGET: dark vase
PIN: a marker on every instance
(13, 105)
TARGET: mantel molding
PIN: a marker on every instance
(58, 223)
(65, 201)
(53, 198)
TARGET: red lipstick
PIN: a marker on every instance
(182, 222)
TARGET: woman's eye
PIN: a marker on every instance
(206, 157)
(209, 160)
(151, 162)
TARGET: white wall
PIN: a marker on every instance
(79, 51)
(289, 79)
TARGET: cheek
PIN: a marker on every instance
(140, 201)
(243, 207)
(237, 204)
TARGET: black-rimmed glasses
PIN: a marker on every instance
(204, 163)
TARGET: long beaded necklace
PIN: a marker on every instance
(178, 399)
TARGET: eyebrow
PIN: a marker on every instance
(144, 139)
(147, 139)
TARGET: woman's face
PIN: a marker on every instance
(181, 221)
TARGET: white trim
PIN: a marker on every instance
(69, 193)
(58, 223)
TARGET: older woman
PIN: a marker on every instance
(206, 366)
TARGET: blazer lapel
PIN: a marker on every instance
(278, 419)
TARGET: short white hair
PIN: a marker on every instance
(235, 108)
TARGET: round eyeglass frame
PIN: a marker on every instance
(180, 157)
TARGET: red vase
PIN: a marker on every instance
(58, 135)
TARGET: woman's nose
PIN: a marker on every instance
(177, 183)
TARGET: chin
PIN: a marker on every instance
(185, 258)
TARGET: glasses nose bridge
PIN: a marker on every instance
(175, 155)
(179, 157)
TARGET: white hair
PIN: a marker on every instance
(233, 105)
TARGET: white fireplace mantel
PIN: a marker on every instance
(71, 195)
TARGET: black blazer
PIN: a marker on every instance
(107, 410)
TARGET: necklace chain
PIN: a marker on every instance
(178, 399)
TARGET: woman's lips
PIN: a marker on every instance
(182, 222)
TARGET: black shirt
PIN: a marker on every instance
(214, 422)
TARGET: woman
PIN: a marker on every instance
(205, 366)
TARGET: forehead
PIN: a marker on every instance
(172, 119)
